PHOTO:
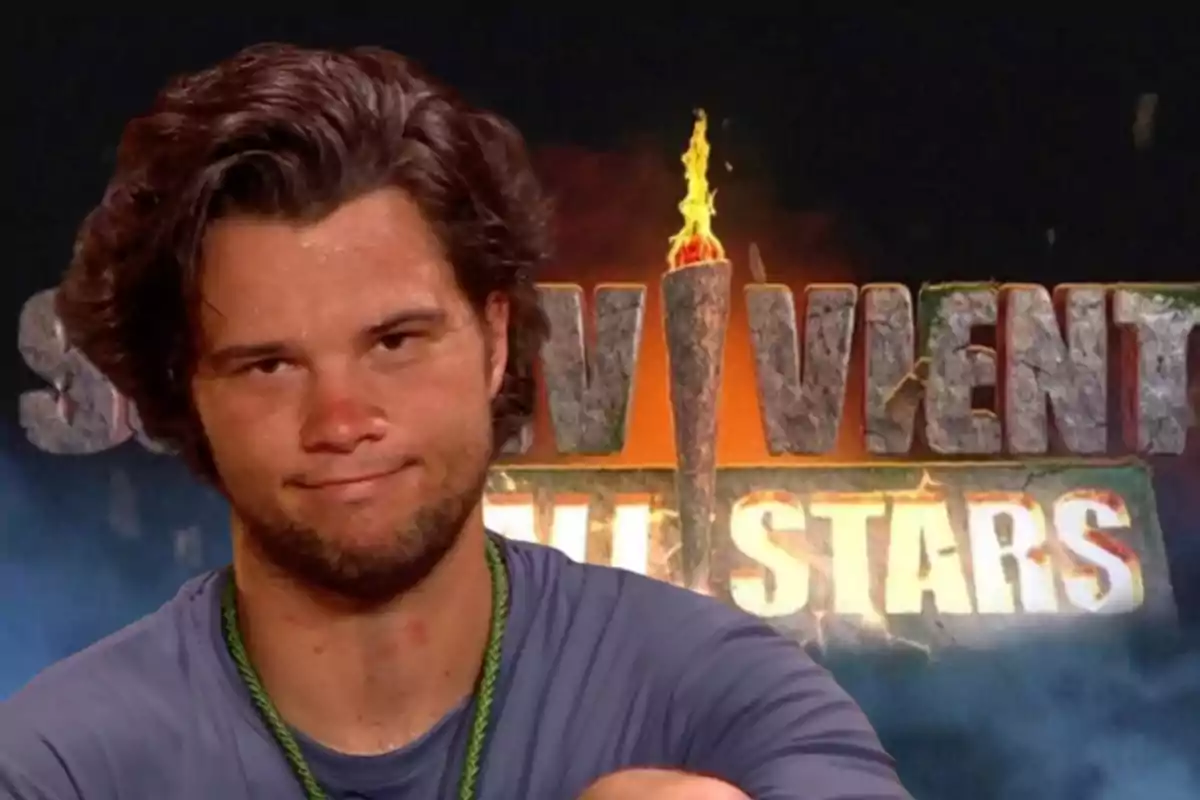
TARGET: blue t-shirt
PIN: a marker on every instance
(603, 670)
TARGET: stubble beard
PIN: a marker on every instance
(370, 578)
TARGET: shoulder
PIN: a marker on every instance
(664, 615)
(740, 699)
(688, 639)
(74, 721)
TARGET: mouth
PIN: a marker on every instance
(333, 482)
(348, 484)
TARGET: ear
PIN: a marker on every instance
(495, 331)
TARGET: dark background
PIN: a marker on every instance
(888, 148)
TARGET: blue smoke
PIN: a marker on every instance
(89, 544)
(1088, 717)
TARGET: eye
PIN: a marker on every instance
(394, 340)
(267, 366)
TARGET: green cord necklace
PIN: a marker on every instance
(484, 692)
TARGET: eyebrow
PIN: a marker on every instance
(412, 316)
(229, 354)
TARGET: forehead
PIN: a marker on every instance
(372, 257)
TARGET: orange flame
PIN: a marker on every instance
(696, 243)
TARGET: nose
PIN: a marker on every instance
(341, 423)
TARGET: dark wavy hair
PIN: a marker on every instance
(293, 132)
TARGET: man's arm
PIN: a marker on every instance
(754, 710)
(660, 784)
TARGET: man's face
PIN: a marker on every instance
(344, 384)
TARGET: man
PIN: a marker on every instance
(313, 274)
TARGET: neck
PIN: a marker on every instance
(367, 681)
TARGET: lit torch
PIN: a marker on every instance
(696, 292)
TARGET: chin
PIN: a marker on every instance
(369, 568)
(366, 549)
(364, 529)
(363, 556)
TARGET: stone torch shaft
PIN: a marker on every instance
(696, 303)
